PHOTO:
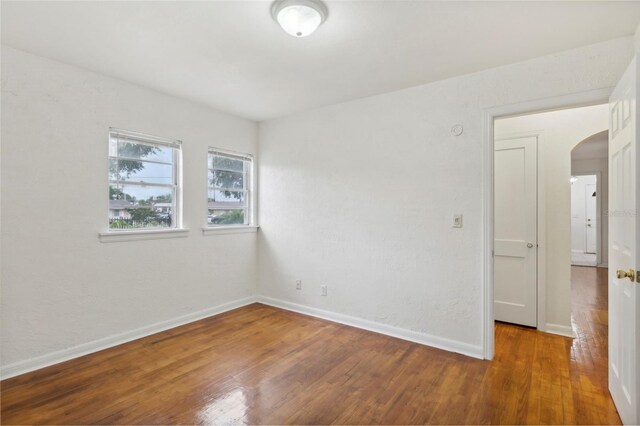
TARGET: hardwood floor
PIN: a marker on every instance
(259, 364)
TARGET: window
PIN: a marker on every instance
(230, 186)
(144, 176)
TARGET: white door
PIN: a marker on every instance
(624, 293)
(515, 242)
(590, 218)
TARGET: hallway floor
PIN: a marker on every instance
(589, 350)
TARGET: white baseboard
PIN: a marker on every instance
(52, 358)
(25, 366)
(562, 330)
(400, 333)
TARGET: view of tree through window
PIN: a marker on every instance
(142, 182)
(229, 186)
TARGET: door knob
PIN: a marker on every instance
(529, 245)
(624, 274)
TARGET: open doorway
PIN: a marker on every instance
(584, 220)
(549, 169)
(545, 165)
(533, 179)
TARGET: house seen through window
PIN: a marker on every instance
(230, 185)
(143, 181)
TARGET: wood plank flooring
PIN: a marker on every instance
(262, 365)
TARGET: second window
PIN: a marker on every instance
(230, 178)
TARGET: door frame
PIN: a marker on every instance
(591, 97)
(598, 176)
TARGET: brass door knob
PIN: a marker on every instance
(631, 274)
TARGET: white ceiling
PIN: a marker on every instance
(594, 147)
(232, 56)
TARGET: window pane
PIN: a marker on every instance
(226, 217)
(135, 207)
(226, 198)
(226, 179)
(140, 171)
(224, 163)
(228, 203)
(145, 152)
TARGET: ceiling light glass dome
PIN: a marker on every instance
(299, 17)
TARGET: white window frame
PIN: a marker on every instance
(249, 190)
(176, 186)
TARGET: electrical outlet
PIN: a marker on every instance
(457, 220)
(298, 284)
(323, 290)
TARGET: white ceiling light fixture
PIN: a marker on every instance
(299, 18)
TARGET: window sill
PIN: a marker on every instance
(155, 234)
(220, 230)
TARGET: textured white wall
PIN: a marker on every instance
(560, 132)
(60, 286)
(360, 196)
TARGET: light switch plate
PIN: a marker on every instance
(457, 220)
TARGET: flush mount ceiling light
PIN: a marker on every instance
(299, 17)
